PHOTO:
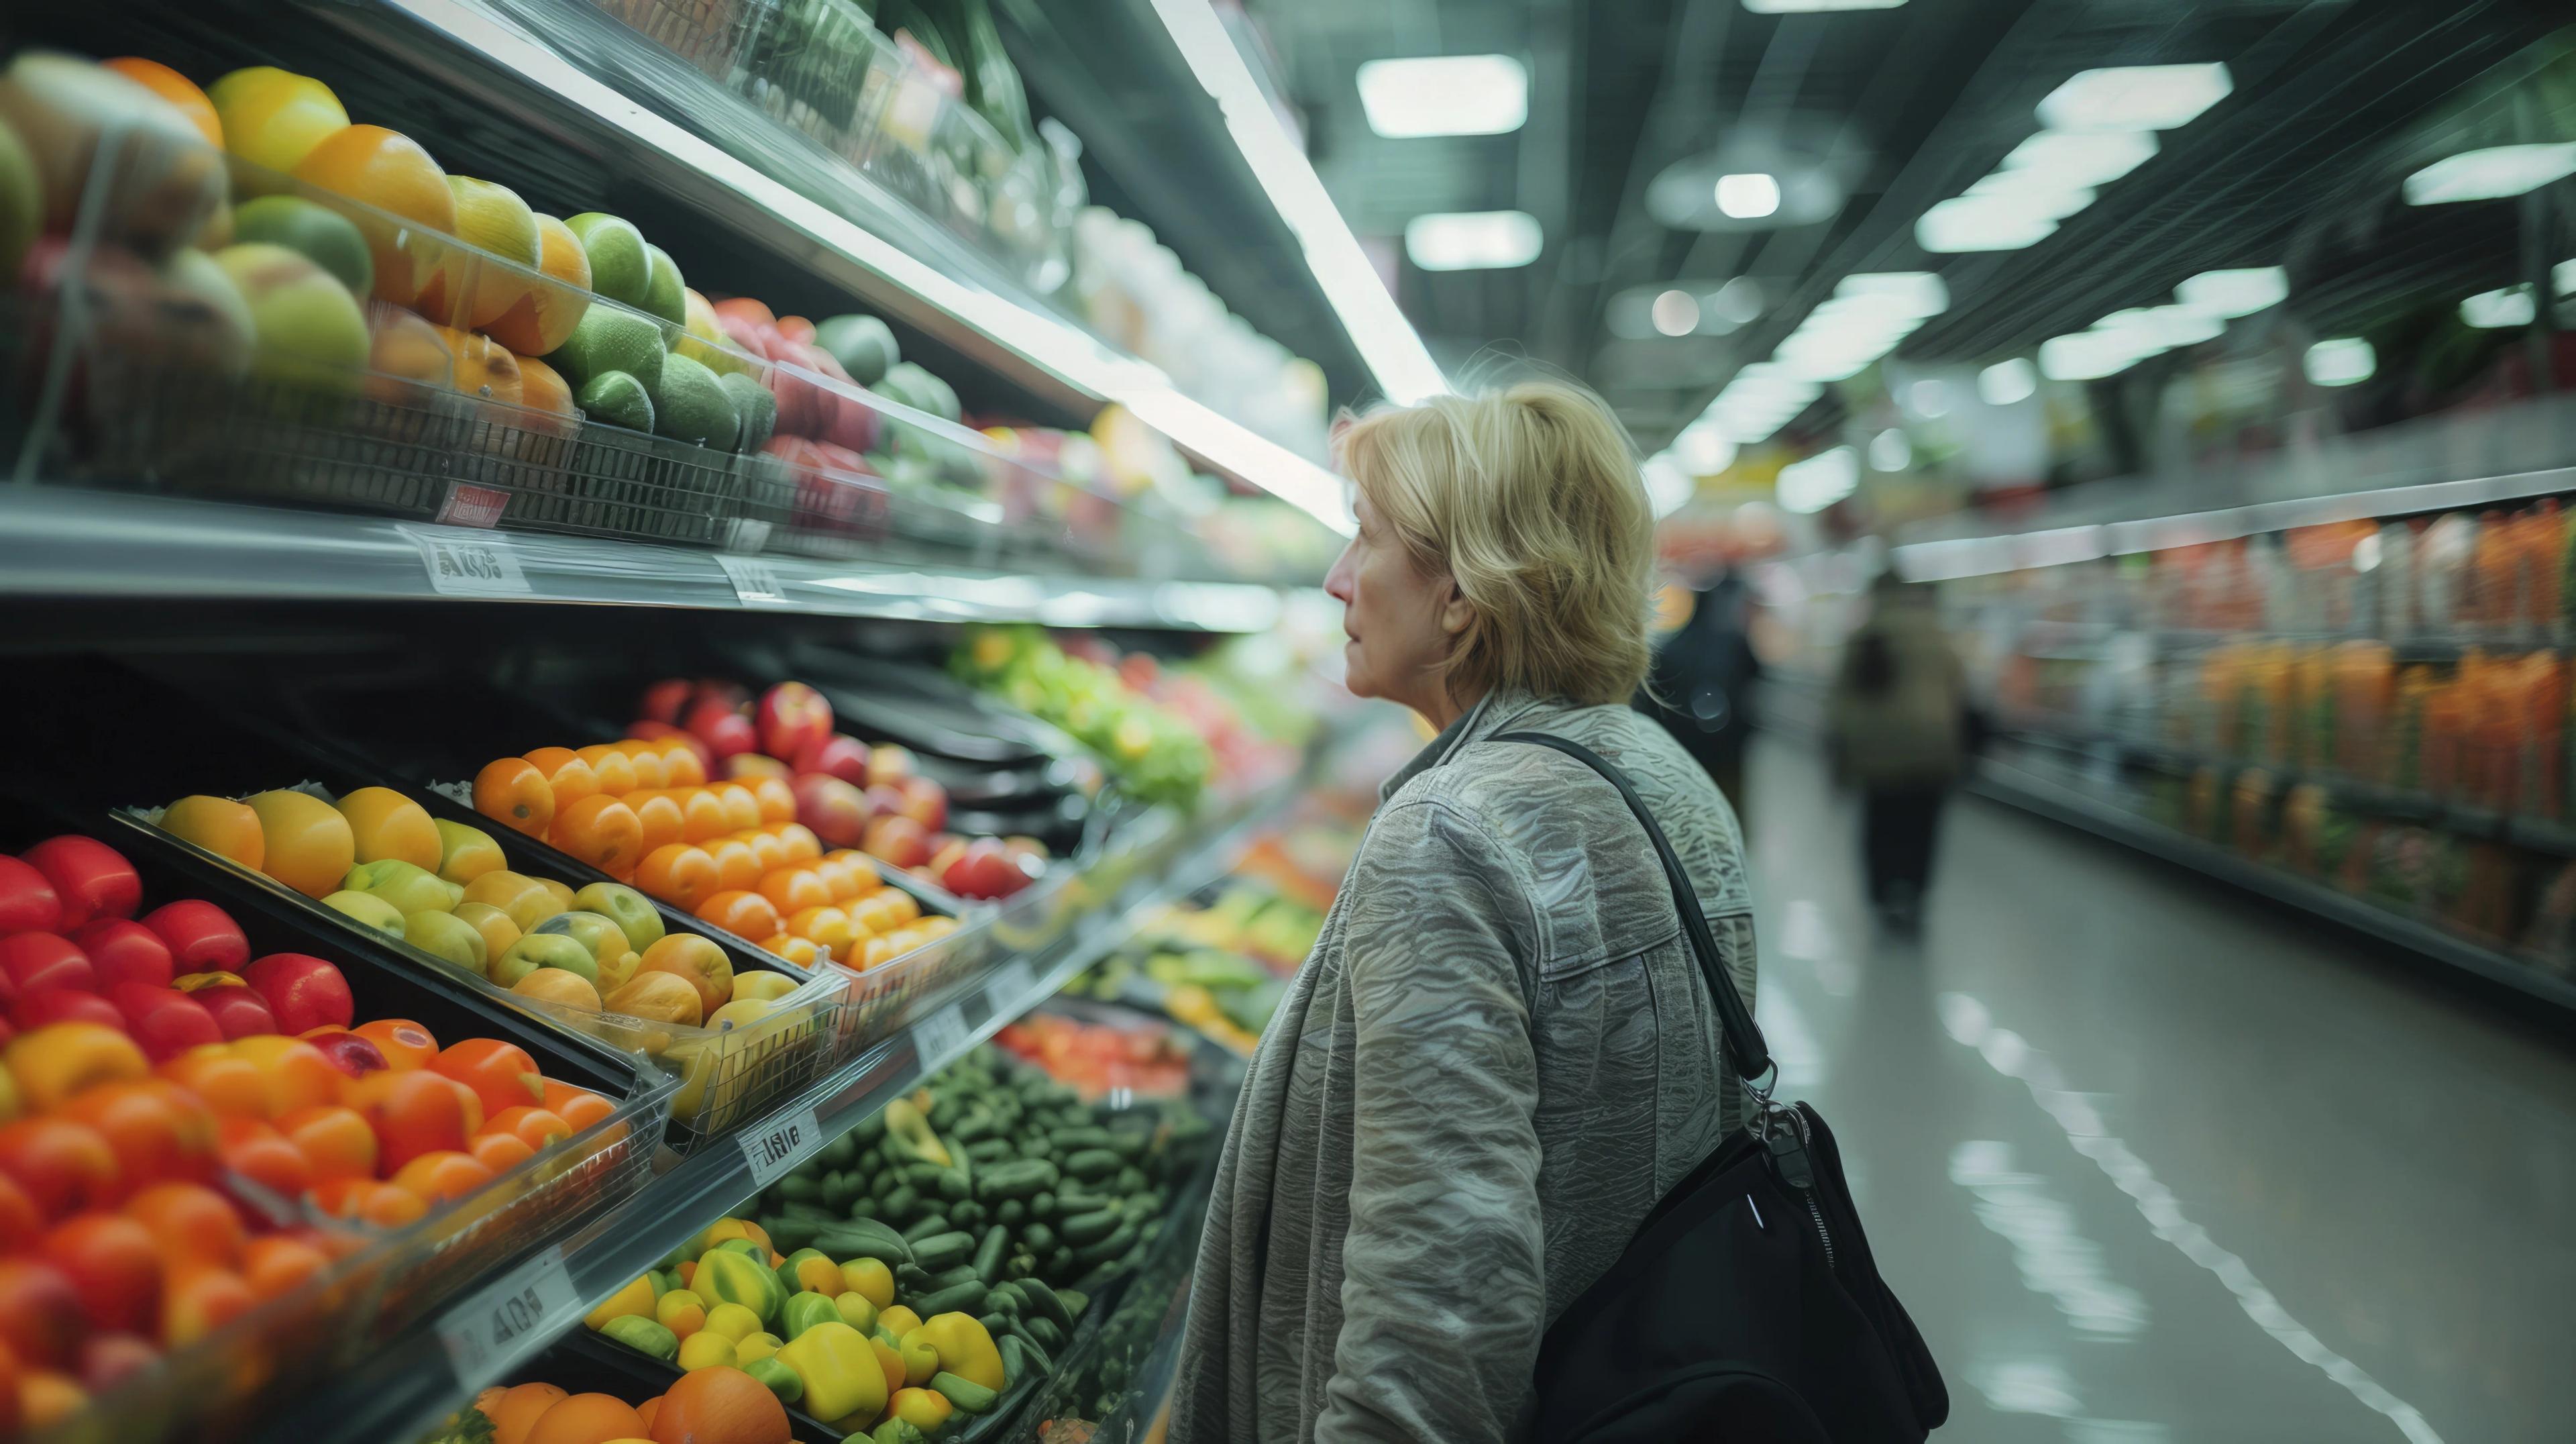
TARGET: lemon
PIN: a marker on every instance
(493, 218)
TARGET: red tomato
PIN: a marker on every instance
(414, 1113)
(114, 1267)
(502, 1075)
(260, 1153)
(63, 1166)
(157, 1129)
(40, 1312)
(334, 1138)
(278, 1265)
(192, 1224)
(197, 1299)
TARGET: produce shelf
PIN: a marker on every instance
(58, 542)
(401, 1391)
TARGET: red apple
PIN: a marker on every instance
(884, 800)
(664, 699)
(122, 950)
(841, 755)
(886, 762)
(47, 1006)
(40, 1312)
(348, 1052)
(724, 730)
(237, 1010)
(897, 840)
(743, 765)
(303, 991)
(732, 694)
(203, 938)
(925, 802)
(945, 855)
(45, 960)
(792, 717)
(28, 903)
(836, 811)
(164, 1022)
(107, 1359)
(93, 879)
(985, 869)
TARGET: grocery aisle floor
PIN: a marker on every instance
(2150, 1161)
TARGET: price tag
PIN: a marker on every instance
(939, 1037)
(1012, 979)
(469, 566)
(509, 1317)
(780, 1144)
(756, 582)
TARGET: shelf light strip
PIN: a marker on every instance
(1060, 351)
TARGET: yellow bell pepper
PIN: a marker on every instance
(841, 1373)
(890, 1360)
(856, 1311)
(635, 1300)
(870, 1279)
(966, 1348)
(896, 1320)
(923, 1409)
(920, 1356)
(753, 1347)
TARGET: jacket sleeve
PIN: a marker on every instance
(1444, 1296)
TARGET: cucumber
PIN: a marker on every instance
(1042, 1206)
(790, 1234)
(801, 1186)
(867, 1130)
(1108, 1248)
(999, 1326)
(1044, 1332)
(1037, 1353)
(924, 1176)
(970, 1215)
(1046, 1303)
(1130, 1146)
(840, 1153)
(1037, 1238)
(1021, 1266)
(902, 1203)
(1074, 1301)
(1010, 1211)
(1023, 1179)
(955, 1184)
(840, 1190)
(1016, 1358)
(969, 1397)
(1071, 1140)
(950, 1278)
(992, 1150)
(961, 1299)
(988, 1254)
(1129, 1180)
(864, 1238)
(975, 1125)
(929, 1225)
(1069, 1202)
(1083, 1229)
(943, 1250)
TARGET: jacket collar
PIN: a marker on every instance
(1495, 712)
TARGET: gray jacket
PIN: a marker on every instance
(1499, 1056)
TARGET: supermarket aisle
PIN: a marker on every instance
(2152, 1162)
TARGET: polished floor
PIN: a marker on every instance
(2154, 1163)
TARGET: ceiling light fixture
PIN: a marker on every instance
(2007, 383)
(2341, 361)
(2230, 294)
(1981, 223)
(1703, 450)
(2083, 158)
(2491, 174)
(1676, 313)
(1915, 293)
(2135, 97)
(2092, 355)
(1668, 484)
(1444, 95)
(2562, 278)
(1802, 7)
(1819, 481)
(2500, 309)
(1928, 397)
(1748, 196)
(1740, 300)
(1472, 240)
(1396, 357)
(2038, 191)
(1890, 451)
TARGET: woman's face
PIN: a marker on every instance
(1401, 623)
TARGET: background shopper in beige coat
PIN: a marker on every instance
(1897, 722)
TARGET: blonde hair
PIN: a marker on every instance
(1529, 499)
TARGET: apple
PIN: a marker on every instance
(696, 961)
(602, 938)
(724, 730)
(835, 811)
(368, 910)
(47, 1006)
(925, 802)
(946, 854)
(45, 960)
(466, 853)
(202, 937)
(741, 1013)
(407, 886)
(629, 909)
(792, 718)
(984, 869)
(761, 985)
(28, 903)
(544, 950)
(743, 766)
(238, 1011)
(122, 950)
(733, 695)
(898, 840)
(664, 699)
(93, 879)
(445, 935)
(884, 799)
(889, 761)
(351, 1054)
(302, 990)
(841, 755)
(41, 1320)
(164, 1022)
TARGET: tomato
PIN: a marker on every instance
(224, 1079)
(578, 1107)
(502, 1075)
(678, 873)
(63, 1166)
(405, 1044)
(114, 1266)
(535, 1127)
(294, 1073)
(743, 914)
(278, 1265)
(197, 1299)
(258, 1152)
(190, 1223)
(567, 776)
(600, 830)
(499, 1152)
(157, 1129)
(334, 1139)
(441, 1176)
(414, 1113)
(40, 1312)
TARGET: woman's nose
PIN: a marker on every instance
(1337, 582)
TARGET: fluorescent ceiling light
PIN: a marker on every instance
(1916, 293)
(1748, 197)
(1444, 95)
(1890, 451)
(1740, 300)
(2038, 191)
(1472, 240)
(2164, 327)
(2135, 97)
(2091, 355)
(2491, 174)
(2007, 382)
(1820, 480)
(1668, 484)
(2235, 293)
(1676, 313)
(1928, 397)
(1981, 223)
(2492, 310)
(2083, 158)
(1703, 450)
(1802, 7)
(2341, 361)
(1395, 355)
(2562, 278)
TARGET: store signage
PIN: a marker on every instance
(756, 582)
(939, 1037)
(469, 566)
(775, 1147)
(510, 1317)
(471, 505)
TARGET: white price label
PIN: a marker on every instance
(756, 582)
(939, 1037)
(469, 566)
(781, 1144)
(510, 1317)
(1012, 980)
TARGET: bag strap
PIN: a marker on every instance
(1744, 1045)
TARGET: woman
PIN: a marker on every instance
(1501, 1052)
(1897, 717)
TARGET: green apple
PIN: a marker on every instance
(410, 887)
(369, 909)
(602, 938)
(631, 910)
(445, 935)
(466, 853)
(544, 950)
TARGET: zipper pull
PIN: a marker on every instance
(1789, 1158)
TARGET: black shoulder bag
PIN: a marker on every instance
(1747, 1308)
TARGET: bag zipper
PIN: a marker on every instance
(1789, 1159)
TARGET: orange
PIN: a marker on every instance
(686, 767)
(278, 1265)
(902, 904)
(645, 1412)
(47, 1398)
(532, 1125)
(861, 866)
(794, 889)
(544, 315)
(442, 1175)
(197, 1299)
(800, 951)
(775, 798)
(586, 1419)
(256, 1151)
(405, 1044)
(226, 828)
(306, 841)
(482, 367)
(499, 1152)
(414, 1113)
(873, 915)
(578, 1107)
(873, 952)
(274, 118)
(542, 388)
(294, 1072)
(802, 844)
(827, 927)
(519, 1410)
(717, 1406)
(368, 1201)
(229, 1084)
(600, 830)
(615, 771)
(335, 1140)
(190, 1223)
(660, 817)
(513, 791)
(646, 759)
(703, 814)
(741, 805)
(840, 881)
(737, 866)
(743, 914)
(175, 88)
(503, 1075)
(390, 172)
(571, 777)
(766, 850)
(678, 874)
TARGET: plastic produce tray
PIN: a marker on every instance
(390, 1278)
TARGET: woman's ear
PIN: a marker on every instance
(1455, 610)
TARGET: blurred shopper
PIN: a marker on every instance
(1701, 686)
(1897, 720)
(1502, 1051)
